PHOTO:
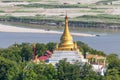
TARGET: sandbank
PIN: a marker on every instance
(8, 28)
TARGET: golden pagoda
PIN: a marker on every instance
(66, 49)
(66, 41)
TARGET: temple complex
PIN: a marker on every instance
(67, 48)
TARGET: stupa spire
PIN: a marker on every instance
(66, 41)
(34, 51)
(66, 37)
(66, 30)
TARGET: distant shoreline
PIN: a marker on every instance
(7, 28)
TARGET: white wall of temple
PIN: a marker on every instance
(71, 56)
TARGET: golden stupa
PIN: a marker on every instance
(66, 49)
(66, 41)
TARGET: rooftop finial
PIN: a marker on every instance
(66, 16)
(66, 12)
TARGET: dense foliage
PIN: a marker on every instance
(15, 65)
(113, 71)
(76, 71)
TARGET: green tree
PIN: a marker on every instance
(11, 53)
(41, 71)
(76, 71)
(9, 70)
(113, 71)
(112, 57)
(113, 74)
(85, 48)
(41, 48)
(29, 75)
(50, 46)
(26, 52)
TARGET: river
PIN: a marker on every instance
(108, 41)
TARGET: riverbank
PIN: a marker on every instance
(104, 22)
(7, 28)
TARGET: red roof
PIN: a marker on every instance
(48, 52)
(46, 55)
(43, 58)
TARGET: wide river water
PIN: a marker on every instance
(108, 41)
